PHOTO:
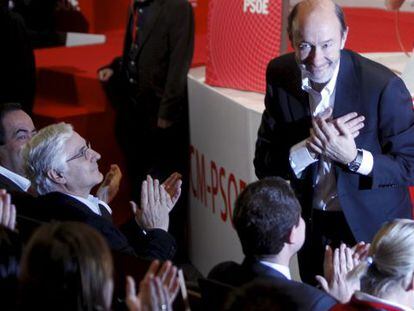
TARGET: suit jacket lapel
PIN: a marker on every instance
(347, 89)
(9, 184)
(155, 11)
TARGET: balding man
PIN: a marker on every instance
(340, 128)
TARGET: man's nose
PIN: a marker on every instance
(316, 57)
(94, 154)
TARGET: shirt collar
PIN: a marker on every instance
(306, 82)
(19, 180)
(280, 268)
(369, 298)
(92, 203)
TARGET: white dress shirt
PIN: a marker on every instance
(19, 180)
(280, 268)
(325, 192)
(92, 203)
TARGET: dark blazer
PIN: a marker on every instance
(304, 296)
(369, 89)
(162, 61)
(156, 243)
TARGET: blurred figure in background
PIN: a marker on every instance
(148, 87)
(17, 62)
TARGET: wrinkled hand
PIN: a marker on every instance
(352, 120)
(7, 211)
(164, 123)
(155, 206)
(157, 291)
(109, 188)
(337, 267)
(105, 74)
(173, 187)
(333, 140)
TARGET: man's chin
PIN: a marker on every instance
(320, 79)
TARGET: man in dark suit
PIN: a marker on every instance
(340, 128)
(149, 88)
(63, 168)
(267, 218)
(16, 128)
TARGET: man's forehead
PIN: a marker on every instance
(315, 13)
(17, 119)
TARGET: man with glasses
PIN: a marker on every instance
(63, 168)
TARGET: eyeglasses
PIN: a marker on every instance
(82, 153)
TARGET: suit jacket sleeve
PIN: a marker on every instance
(394, 165)
(280, 129)
(181, 38)
(151, 244)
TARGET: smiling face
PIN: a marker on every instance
(18, 129)
(82, 172)
(317, 39)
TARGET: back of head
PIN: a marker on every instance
(45, 152)
(392, 253)
(66, 266)
(264, 215)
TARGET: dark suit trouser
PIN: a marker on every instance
(154, 151)
(325, 228)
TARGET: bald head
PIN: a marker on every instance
(309, 9)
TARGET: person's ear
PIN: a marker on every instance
(293, 234)
(56, 176)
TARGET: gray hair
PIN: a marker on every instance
(392, 252)
(45, 152)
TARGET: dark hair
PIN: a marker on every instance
(10, 253)
(259, 295)
(292, 15)
(6, 108)
(264, 215)
(66, 266)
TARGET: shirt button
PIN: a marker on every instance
(132, 63)
(131, 80)
(140, 10)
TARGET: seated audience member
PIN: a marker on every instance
(267, 218)
(68, 266)
(16, 129)
(63, 168)
(387, 277)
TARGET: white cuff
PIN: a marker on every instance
(367, 163)
(300, 158)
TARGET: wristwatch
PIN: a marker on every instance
(354, 165)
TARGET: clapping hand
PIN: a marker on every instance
(157, 290)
